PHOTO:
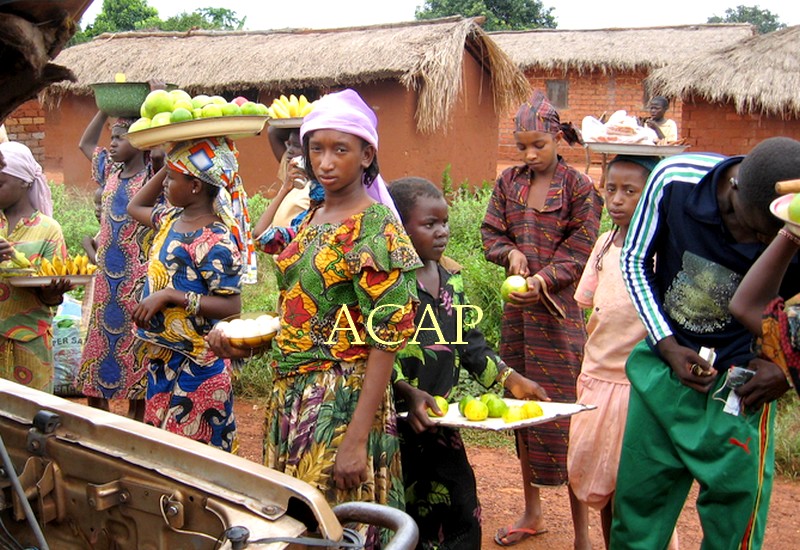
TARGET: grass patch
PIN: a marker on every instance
(787, 436)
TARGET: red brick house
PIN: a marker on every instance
(591, 72)
(738, 95)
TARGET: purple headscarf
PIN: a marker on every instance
(346, 112)
(21, 164)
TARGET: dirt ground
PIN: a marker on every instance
(500, 491)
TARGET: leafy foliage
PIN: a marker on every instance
(499, 14)
(764, 20)
(131, 15)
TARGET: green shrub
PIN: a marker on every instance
(74, 209)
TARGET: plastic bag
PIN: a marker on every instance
(67, 347)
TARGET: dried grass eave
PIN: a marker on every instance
(424, 56)
(615, 49)
(758, 75)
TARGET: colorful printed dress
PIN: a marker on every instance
(26, 350)
(440, 489)
(113, 362)
(189, 389)
(333, 278)
(544, 342)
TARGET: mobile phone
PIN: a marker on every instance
(738, 376)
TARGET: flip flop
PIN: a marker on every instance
(511, 530)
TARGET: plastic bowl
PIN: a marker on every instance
(122, 99)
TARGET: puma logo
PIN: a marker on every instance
(744, 445)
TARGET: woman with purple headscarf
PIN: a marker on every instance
(26, 352)
(347, 304)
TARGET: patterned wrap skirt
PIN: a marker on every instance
(307, 418)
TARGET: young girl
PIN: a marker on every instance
(26, 352)
(193, 280)
(347, 302)
(113, 360)
(439, 482)
(541, 223)
(614, 328)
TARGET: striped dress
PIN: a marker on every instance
(544, 342)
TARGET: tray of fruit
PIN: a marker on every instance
(76, 270)
(787, 208)
(171, 116)
(288, 112)
(250, 330)
(493, 413)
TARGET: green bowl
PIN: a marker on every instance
(122, 99)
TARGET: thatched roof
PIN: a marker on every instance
(760, 74)
(616, 49)
(425, 56)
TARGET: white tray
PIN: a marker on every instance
(638, 149)
(45, 281)
(233, 126)
(552, 411)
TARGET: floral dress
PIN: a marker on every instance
(440, 489)
(112, 366)
(26, 350)
(189, 389)
(345, 288)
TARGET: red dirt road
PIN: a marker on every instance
(500, 491)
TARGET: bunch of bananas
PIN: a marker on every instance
(290, 107)
(77, 265)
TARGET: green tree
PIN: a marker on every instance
(130, 15)
(499, 14)
(221, 19)
(763, 20)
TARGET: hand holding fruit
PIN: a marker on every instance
(519, 291)
(419, 403)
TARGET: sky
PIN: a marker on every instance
(569, 14)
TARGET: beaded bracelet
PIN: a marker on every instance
(783, 232)
(192, 303)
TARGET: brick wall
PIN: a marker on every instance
(591, 93)
(26, 125)
(720, 129)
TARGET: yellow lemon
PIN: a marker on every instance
(532, 409)
(463, 403)
(513, 414)
(441, 402)
(476, 410)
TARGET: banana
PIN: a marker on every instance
(46, 268)
(58, 265)
(302, 102)
(294, 106)
(69, 266)
(280, 109)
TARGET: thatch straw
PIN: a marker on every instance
(616, 49)
(425, 56)
(760, 74)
